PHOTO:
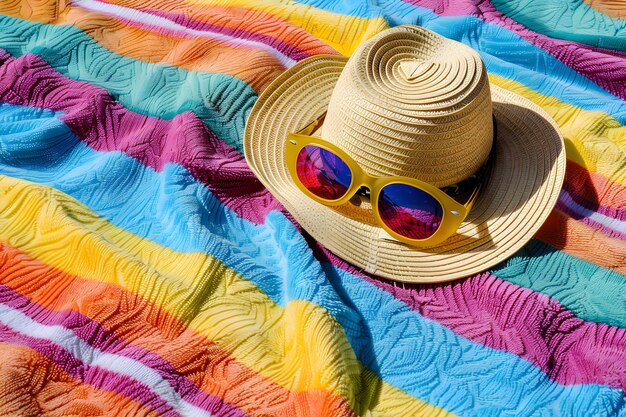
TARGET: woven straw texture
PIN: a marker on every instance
(413, 103)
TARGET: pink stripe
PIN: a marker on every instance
(495, 313)
(96, 336)
(92, 375)
(105, 125)
(605, 67)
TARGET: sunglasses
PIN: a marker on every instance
(409, 210)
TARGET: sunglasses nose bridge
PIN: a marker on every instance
(366, 180)
(365, 184)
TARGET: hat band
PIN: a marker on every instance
(462, 190)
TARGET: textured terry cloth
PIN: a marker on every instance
(145, 271)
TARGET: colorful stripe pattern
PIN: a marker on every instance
(145, 271)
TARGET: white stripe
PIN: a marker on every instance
(150, 19)
(616, 225)
(91, 356)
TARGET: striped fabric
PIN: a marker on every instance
(145, 271)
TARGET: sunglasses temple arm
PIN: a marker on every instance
(472, 199)
(311, 126)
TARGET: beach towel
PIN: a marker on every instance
(145, 271)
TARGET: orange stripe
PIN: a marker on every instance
(33, 385)
(236, 17)
(575, 237)
(612, 8)
(254, 66)
(342, 32)
(232, 17)
(584, 242)
(135, 319)
(595, 188)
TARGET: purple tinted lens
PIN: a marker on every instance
(323, 173)
(409, 211)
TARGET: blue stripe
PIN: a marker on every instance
(415, 354)
(431, 362)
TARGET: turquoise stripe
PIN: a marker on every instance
(157, 90)
(573, 20)
(410, 352)
(505, 53)
(589, 291)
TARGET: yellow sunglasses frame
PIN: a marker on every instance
(453, 212)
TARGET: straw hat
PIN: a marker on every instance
(412, 103)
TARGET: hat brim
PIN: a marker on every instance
(522, 189)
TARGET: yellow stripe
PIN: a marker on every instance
(301, 347)
(335, 29)
(593, 139)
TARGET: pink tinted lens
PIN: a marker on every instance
(323, 173)
(409, 211)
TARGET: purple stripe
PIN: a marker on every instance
(582, 199)
(98, 337)
(495, 313)
(292, 51)
(607, 68)
(92, 375)
(105, 125)
(615, 233)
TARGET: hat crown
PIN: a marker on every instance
(412, 103)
